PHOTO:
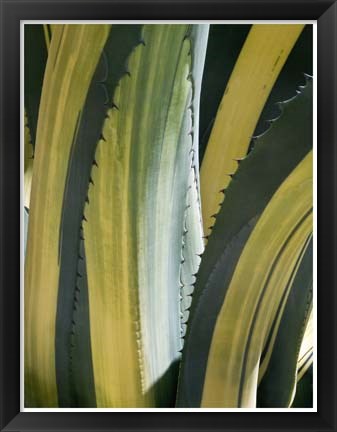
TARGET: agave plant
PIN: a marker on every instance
(151, 279)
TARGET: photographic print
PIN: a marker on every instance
(168, 215)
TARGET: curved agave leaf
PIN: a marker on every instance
(134, 221)
(275, 155)
(67, 78)
(279, 362)
(290, 78)
(255, 291)
(223, 48)
(259, 64)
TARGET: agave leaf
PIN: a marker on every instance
(279, 362)
(53, 27)
(192, 241)
(304, 390)
(304, 363)
(305, 357)
(35, 59)
(47, 35)
(134, 223)
(290, 77)
(283, 146)
(259, 64)
(192, 248)
(255, 291)
(74, 368)
(223, 48)
(67, 78)
(199, 40)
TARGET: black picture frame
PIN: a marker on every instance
(11, 12)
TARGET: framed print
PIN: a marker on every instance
(168, 219)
